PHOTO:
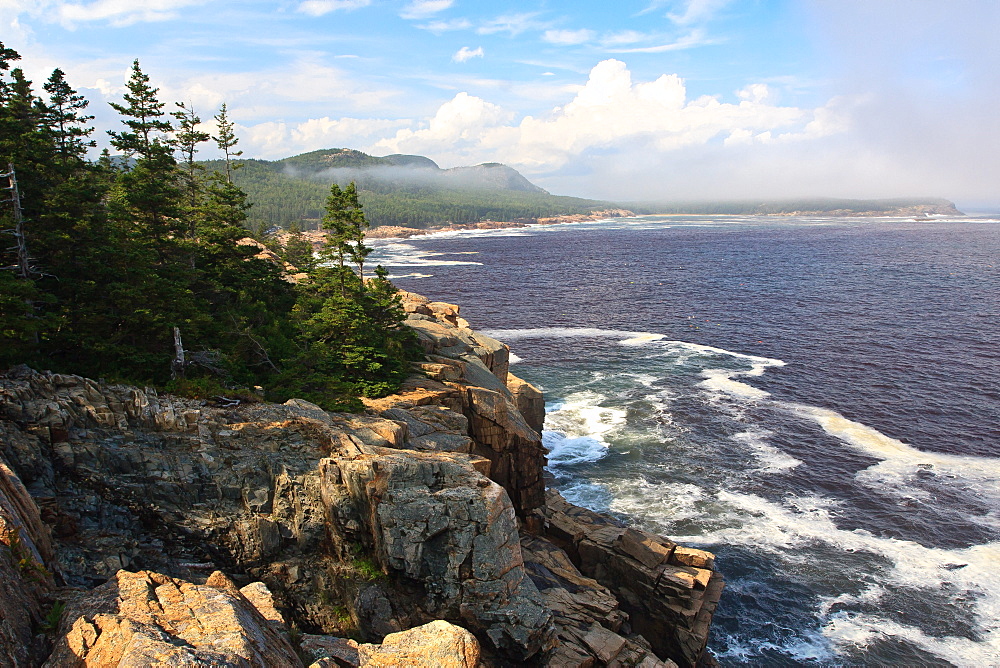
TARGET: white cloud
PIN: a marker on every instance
(438, 27)
(693, 39)
(568, 37)
(624, 37)
(278, 139)
(421, 9)
(697, 11)
(512, 24)
(115, 12)
(321, 7)
(465, 53)
(459, 124)
(611, 115)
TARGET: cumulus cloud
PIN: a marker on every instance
(607, 113)
(460, 125)
(465, 53)
(625, 138)
(420, 9)
(279, 139)
(321, 7)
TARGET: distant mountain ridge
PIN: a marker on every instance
(414, 191)
(375, 173)
(401, 190)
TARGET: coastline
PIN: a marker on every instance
(396, 232)
(427, 516)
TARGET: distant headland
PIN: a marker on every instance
(412, 192)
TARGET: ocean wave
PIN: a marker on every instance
(901, 463)
(573, 332)
(406, 255)
(474, 234)
(801, 523)
(576, 428)
(772, 459)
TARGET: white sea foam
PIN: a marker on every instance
(414, 274)
(474, 234)
(406, 255)
(587, 495)
(514, 359)
(642, 339)
(673, 502)
(571, 333)
(576, 427)
(771, 458)
(567, 451)
(861, 630)
(721, 380)
(785, 529)
(902, 462)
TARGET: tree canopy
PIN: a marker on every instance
(113, 255)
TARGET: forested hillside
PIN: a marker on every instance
(411, 191)
(139, 269)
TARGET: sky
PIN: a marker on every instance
(653, 99)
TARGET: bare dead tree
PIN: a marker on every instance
(23, 264)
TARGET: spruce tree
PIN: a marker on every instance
(67, 119)
(187, 139)
(226, 141)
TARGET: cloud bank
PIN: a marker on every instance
(611, 122)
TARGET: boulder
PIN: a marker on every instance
(26, 563)
(437, 644)
(145, 618)
(670, 602)
(529, 401)
(432, 518)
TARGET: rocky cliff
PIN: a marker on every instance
(140, 528)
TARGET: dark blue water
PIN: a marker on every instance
(816, 401)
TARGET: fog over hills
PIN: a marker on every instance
(397, 171)
(413, 191)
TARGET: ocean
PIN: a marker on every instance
(816, 400)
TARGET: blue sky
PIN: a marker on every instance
(665, 99)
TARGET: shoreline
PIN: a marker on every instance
(316, 237)
(398, 232)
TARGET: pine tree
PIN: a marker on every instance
(346, 224)
(187, 138)
(67, 119)
(146, 134)
(226, 141)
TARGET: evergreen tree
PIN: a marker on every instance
(352, 334)
(297, 250)
(187, 138)
(146, 133)
(346, 224)
(226, 141)
(67, 119)
(123, 252)
(148, 192)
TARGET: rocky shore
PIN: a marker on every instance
(146, 529)
(396, 232)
